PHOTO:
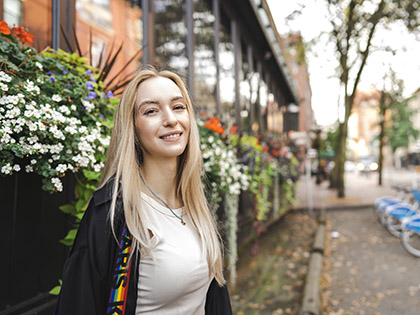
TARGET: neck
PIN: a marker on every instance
(161, 178)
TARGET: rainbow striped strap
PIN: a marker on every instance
(120, 276)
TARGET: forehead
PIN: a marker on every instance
(157, 88)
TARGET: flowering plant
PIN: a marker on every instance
(223, 172)
(16, 33)
(54, 116)
(260, 171)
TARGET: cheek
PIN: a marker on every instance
(186, 123)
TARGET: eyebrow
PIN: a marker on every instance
(147, 102)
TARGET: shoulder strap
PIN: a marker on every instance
(120, 276)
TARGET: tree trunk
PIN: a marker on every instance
(381, 136)
(340, 158)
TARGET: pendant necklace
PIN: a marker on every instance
(167, 206)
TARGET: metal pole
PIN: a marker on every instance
(148, 29)
(236, 40)
(145, 9)
(216, 12)
(251, 72)
(190, 45)
(309, 186)
(55, 41)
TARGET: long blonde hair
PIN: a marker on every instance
(125, 156)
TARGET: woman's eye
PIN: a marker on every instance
(149, 111)
(179, 107)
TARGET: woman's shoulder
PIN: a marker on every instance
(100, 205)
(104, 193)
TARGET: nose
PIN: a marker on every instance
(169, 119)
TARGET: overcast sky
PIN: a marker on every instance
(325, 86)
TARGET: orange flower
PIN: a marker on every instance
(4, 28)
(233, 130)
(23, 35)
(214, 124)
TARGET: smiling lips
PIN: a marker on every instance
(172, 136)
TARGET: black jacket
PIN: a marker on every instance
(97, 267)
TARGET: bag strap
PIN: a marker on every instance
(120, 276)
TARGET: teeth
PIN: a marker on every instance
(172, 136)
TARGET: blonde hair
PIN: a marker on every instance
(125, 155)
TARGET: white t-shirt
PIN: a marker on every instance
(177, 279)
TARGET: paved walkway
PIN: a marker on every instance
(360, 190)
(366, 270)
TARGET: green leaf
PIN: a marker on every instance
(91, 175)
(79, 216)
(69, 239)
(68, 208)
(55, 290)
(79, 205)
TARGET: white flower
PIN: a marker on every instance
(33, 139)
(6, 169)
(73, 107)
(57, 183)
(31, 87)
(29, 169)
(33, 161)
(61, 168)
(5, 77)
(38, 65)
(64, 109)
(5, 138)
(14, 112)
(16, 167)
(81, 161)
(84, 146)
(56, 98)
(54, 149)
(57, 133)
(31, 125)
(98, 167)
(4, 87)
(41, 126)
(89, 106)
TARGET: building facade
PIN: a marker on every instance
(240, 75)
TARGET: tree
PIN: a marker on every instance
(391, 97)
(354, 24)
(401, 130)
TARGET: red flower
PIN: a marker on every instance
(276, 153)
(233, 130)
(23, 35)
(4, 28)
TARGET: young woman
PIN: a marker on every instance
(147, 243)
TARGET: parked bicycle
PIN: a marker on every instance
(401, 216)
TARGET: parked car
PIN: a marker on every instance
(367, 164)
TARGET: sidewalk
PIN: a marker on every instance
(360, 191)
(272, 282)
(365, 268)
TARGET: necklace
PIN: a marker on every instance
(167, 206)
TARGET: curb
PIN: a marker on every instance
(311, 294)
(335, 207)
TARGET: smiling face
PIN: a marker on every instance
(161, 118)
